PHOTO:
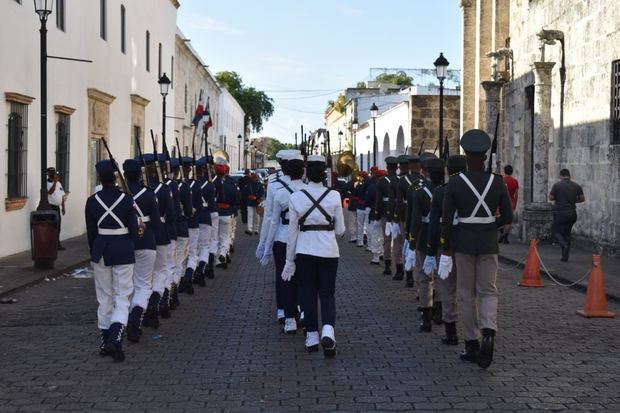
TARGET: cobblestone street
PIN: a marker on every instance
(223, 351)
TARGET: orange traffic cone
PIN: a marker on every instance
(596, 300)
(531, 272)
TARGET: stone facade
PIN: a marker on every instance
(425, 121)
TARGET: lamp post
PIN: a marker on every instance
(245, 153)
(239, 140)
(340, 141)
(441, 69)
(43, 8)
(374, 112)
(164, 87)
(354, 127)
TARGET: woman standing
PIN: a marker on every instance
(315, 219)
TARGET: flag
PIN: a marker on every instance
(206, 117)
(200, 110)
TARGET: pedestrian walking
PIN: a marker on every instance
(565, 194)
(252, 195)
(512, 185)
(206, 238)
(56, 198)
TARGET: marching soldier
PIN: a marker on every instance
(375, 235)
(315, 220)
(415, 167)
(206, 189)
(352, 210)
(456, 164)
(227, 199)
(361, 215)
(148, 217)
(183, 207)
(186, 284)
(475, 195)
(382, 208)
(112, 228)
(399, 202)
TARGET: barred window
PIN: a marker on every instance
(615, 102)
(103, 19)
(63, 133)
(17, 151)
(60, 14)
(123, 29)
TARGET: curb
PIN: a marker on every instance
(54, 273)
(577, 287)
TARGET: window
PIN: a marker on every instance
(172, 72)
(148, 51)
(103, 19)
(95, 152)
(185, 105)
(63, 133)
(60, 14)
(17, 151)
(159, 62)
(615, 102)
(123, 31)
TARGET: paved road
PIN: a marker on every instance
(222, 351)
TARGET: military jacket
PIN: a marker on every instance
(227, 196)
(194, 188)
(183, 207)
(371, 195)
(207, 200)
(419, 205)
(147, 211)
(166, 210)
(384, 193)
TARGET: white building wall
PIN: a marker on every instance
(229, 127)
(112, 72)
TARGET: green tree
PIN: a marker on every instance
(361, 85)
(258, 107)
(273, 145)
(400, 78)
(339, 104)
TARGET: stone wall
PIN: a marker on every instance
(424, 111)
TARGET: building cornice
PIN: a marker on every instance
(64, 109)
(467, 3)
(100, 96)
(18, 98)
(139, 100)
(175, 3)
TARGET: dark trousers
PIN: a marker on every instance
(563, 222)
(279, 258)
(57, 209)
(244, 212)
(317, 276)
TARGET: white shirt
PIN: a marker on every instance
(56, 197)
(277, 230)
(272, 187)
(317, 243)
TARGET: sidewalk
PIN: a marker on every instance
(579, 264)
(17, 271)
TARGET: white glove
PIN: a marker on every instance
(388, 229)
(262, 204)
(266, 257)
(445, 266)
(367, 210)
(410, 260)
(395, 229)
(405, 247)
(288, 271)
(430, 264)
(376, 226)
(260, 250)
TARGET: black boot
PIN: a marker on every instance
(228, 260)
(565, 253)
(451, 338)
(164, 304)
(222, 262)
(151, 315)
(174, 297)
(437, 313)
(199, 275)
(114, 345)
(387, 270)
(409, 277)
(186, 282)
(485, 356)
(133, 324)
(398, 276)
(232, 249)
(427, 317)
(472, 348)
(211, 267)
(104, 339)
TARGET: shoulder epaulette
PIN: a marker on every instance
(498, 174)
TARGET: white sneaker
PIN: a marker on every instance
(328, 341)
(280, 315)
(290, 326)
(312, 341)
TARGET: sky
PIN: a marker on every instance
(302, 53)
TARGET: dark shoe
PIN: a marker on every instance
(114, 345)
(399, 275)
(387, 270)
(164, 305)
(211, 266)
(352, 241)
(133, 324)
(472, 348)
(409, 277)
(151, 316)
(199, 275)
(222, 265)
(228, 260)
(375, 263)
(365, 239)
(312, 349)
(248, 232)
(451, 338)
(427, 316)
(437, 313)
(565, 252)
(186, 281)
(329, 347)
(255, 232)
(104, 339)
(485, 356)
(221, 258)
(381, 258)
(174, 297)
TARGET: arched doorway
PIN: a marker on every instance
(386, 146)
(400, 141)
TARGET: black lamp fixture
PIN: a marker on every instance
(374, 112)
(164, 85)
(441, 69)
(43, 8)
(340, 141)
(239, 140)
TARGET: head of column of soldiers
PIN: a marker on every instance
(475, 143)
(435, 169)
(456, 164)
(403, 164)
(415, 165)
(296, 167)
(105, 172)
(131, 170)
(315, 169)
(187, 165)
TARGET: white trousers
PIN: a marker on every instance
(352, 224)
(253, 219)
(160, 271)
(204, 242)
(375, 237)
(233, 229)
(224, 235)
(215, 232)
(180, 259)
(172, 263)
(362, 218)
(114, 286)
(143, 278)
(192, 249)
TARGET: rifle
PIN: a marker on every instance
(143, 166)
(421, 148)
(446, 151)
(116, 168)
(167, 169)
(157, 166)
(180, 161)
(330, 178)
(493, 145)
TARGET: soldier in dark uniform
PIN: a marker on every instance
(183, 207)
(399, 208)
(456, 164)
(383, 209)
(475, 195)
(227, 201)
(147, 211)
(185, 285)
(206, 190)
(374, 224)
(415, 166)
(361, 216)
(112, 229)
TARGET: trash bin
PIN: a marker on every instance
(44, 238)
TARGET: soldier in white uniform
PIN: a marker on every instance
(315, 220)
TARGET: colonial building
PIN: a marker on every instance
(552, 70)
(230, 129)
(130, 43)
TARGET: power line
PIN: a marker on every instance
(307, 97)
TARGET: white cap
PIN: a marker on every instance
(316, 158)
(285, 154)
(293, 157)
(279, 154)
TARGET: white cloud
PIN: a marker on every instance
(212, 25)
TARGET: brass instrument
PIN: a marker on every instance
(220, 157)
(346, 166)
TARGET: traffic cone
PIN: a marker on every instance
(596, 300)
(531, 272)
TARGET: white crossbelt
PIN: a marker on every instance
(141, 216)
(427, 218)
(110, 211)
(204, 203)
(408, 181)
(473, 219)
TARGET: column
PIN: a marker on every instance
(468, 64)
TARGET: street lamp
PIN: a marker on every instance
(374, 112)
(164, 86)
(239, 140)
(441, 68)
(340, 141)
(354, 126)
(43, 8)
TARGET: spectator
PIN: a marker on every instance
(253, 194)
(513, 193)
(566, 194)
(56, 198)
(243, 181)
